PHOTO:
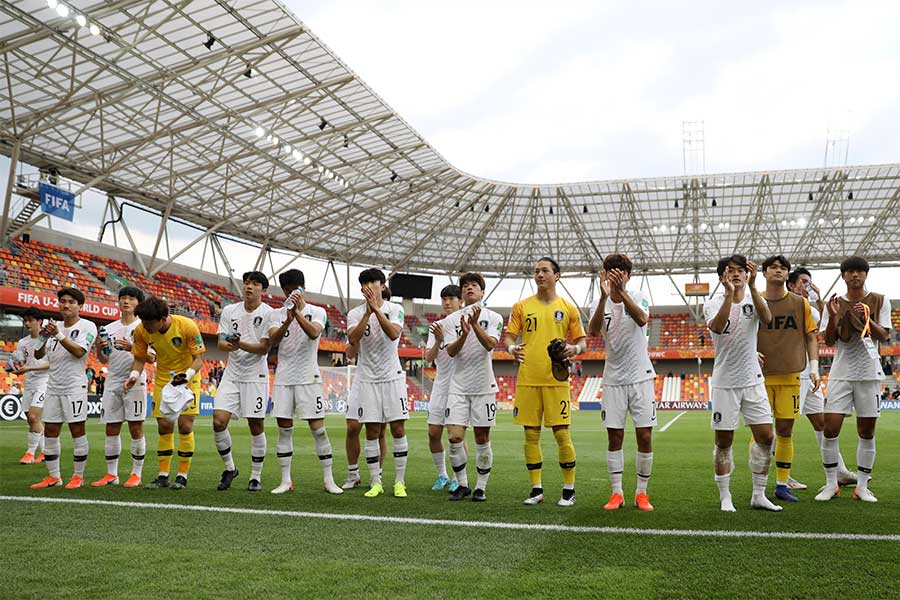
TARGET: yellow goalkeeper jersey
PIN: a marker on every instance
(539, 323)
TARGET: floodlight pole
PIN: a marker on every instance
(7, 200)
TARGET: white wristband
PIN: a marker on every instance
(509, 348)
(59, 336)
(134, 375)
(190, 374)
(814, 366)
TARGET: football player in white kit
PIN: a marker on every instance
(471, 335)
(378, 392)
(35, 387)
(66, 349)
(436, 352)
(117, 405)
(244, 389)
(737, 387)
(855, 324)
(621, 318)
(812, 399)
(296, 329)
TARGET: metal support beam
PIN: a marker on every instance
(197, 240)
(228, 267)
(345, 302)
(134, 250)
(10, 182)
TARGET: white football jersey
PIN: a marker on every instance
(298, 361)
(473, 372)
(851, 359)
(378, 360)
(67, 372)
(120, 361)
(816, 317)
(34, 380)
(442, 362)
(246, 367)
(627, 357)
(736, 364)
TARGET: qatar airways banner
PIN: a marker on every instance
(49, 303)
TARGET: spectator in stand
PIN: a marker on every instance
(89, 374)
(100, 383)
(3, 275)
(896, 394)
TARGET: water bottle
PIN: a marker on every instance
(813, 296)
(42, 341)
(289, 303)
(107, 350)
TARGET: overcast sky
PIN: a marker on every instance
(536, 93)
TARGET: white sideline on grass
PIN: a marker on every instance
(672, 420)
(724, 533)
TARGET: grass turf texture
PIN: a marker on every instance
(55, 550)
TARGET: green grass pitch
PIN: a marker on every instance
(66, 550)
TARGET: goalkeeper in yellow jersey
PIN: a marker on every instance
(179, 352)
(545, 321)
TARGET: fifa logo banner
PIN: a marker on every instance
(57, 202)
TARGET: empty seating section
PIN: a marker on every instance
(45, 268)
(679, 331)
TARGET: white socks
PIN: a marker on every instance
(257, 455)
(830, 455)
(79, 454)
(34, 442)
(284, 449)
(324, 452)
(138, 451)
(401, 452)
(865, 460)
(458, 462)
(440, 463)
(373, 457)
(223, 445)
(51, 456)
(644, 465)
(112, 448)
(484, 461)
(615, 464)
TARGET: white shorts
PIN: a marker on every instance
(472, 410)
(811, 402)
(33, 398)
(66, 408)
(303, 401)
(117, 406)
(729, 404)
(637, 398)
(381, 402)
(243, 399)
(437, 405)
(846, 396)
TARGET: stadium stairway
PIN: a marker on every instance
(671, 391)
(590, 390)
(655, 333)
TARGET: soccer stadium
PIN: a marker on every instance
(210, 218)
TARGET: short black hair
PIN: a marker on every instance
(256, 277)
(778, 258)
(451, 291)
(370, 275)
(33, 313)
(551, 261)
(472, 278)
(738, 259)
(73, 293)
(134, 292)
(292, 278)
(386, 293)
(152, 309)
(618, 261)
(796, 273)
(854, 263)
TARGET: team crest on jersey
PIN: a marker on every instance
(257, 321)
(483, 324)
(558, 316)
(177, 341)
(747, 309)
(717, 417)
(74, 334)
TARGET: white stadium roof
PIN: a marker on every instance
(233, 116)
